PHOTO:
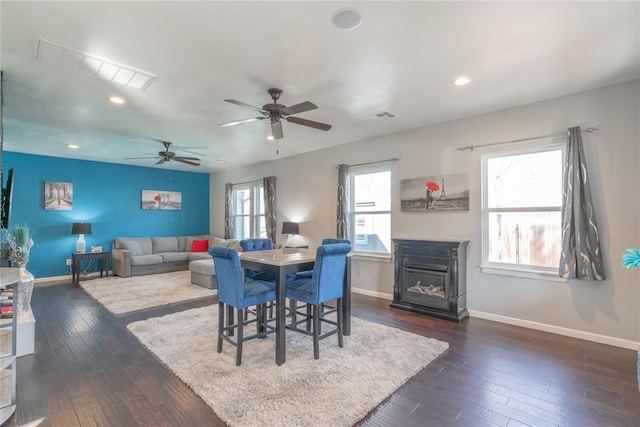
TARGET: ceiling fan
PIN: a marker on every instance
(275, 112)
(166, 156)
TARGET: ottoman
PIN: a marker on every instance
(203, 273)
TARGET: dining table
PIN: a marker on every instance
(280, 263)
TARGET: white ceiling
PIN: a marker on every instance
(402, 58)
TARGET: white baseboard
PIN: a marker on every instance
(573, 333)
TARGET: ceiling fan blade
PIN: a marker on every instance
(161, 161)
(186, 158)
(300, 108)
(310, 123)
(242, 104)
(241, 122)
(138, 158)
(276, 129)
(182, 160)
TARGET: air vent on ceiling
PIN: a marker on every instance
(383, 115)
(57, 54)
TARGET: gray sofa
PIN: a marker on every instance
(137, 256)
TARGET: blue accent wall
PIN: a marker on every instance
(108, 196)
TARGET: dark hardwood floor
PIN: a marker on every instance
(88, 370)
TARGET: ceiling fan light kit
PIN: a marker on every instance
(276, 112)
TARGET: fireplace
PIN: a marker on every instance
(430, 277)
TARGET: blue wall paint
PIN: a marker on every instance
(107, 195)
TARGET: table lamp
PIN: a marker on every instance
(81, 228)
(290, 228)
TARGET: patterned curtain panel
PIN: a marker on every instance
(581, 257)
(270, 217)
(342, 222)
(228, 210)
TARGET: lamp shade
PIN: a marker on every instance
(290, 228)
(81, 228)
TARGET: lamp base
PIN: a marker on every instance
(81, 244)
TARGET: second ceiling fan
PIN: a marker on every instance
(276, 112)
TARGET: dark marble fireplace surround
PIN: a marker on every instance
(431, 277)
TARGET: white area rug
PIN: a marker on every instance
(126, 294)
(339, 389)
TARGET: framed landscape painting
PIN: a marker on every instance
(440, 193)
(163, 200)
(58, 196)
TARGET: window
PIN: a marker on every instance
(370, 210)
(522, 200)
(248, 211)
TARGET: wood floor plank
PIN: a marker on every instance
(88, 370)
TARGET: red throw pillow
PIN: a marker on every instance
(200, 246)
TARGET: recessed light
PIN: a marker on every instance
(73, 146)
(461, 81)
(116, 100)
(346, 19)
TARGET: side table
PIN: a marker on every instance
(103, 260)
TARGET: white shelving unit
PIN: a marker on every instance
(8, 348)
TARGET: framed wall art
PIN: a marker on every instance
(163, 200)
(58, 196)
(440, 193)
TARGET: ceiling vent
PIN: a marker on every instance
(87, 63)
(383, 115)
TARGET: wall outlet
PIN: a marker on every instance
(68, 261)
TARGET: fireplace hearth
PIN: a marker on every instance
(430, 277)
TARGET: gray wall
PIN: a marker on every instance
(600, 311)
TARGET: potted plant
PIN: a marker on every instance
(20, 243)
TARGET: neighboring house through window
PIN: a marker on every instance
(248, 210)
(370, 209)
(521, 210)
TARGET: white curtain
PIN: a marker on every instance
(581, 257)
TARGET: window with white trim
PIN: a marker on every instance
(248, 211)
(521, 210)
(370, 209)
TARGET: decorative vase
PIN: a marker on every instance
(24, 290)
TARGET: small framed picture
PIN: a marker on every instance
(58, 196)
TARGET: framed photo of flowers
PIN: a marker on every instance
(439, 193)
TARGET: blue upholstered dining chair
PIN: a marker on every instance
(239, 293)
(325, 284)
(325, 241)
(249, 245)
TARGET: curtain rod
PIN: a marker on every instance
(373, 163)
(472, 147)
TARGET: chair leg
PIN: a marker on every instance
(239, 338)
(308, 306)
(316, 331)
(220, 325)
(230, 317)
(339, 312)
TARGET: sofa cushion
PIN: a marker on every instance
(146, 260)
(234, 244)
(131, 245)
(144, 242)
(203, 266)
(199, 255)
(164, 244)
(174, 256)
(217, 241)
(200, 246)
